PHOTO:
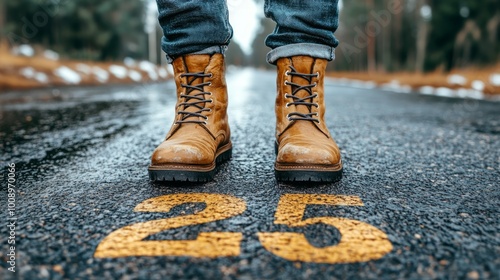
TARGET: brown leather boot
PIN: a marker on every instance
(199, 139)
(305, 149)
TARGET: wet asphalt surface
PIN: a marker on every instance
(426, 168)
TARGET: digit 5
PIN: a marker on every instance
(360, 241)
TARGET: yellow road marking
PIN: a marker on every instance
(128, 241)
(360, 242)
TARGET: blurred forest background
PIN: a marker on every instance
(376, 35)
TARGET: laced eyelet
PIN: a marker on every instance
(315, 84)
(211, 101)
(287, 105)
(287, 73)
(316, 105)
(286, 83)
(211, 75)
(317, 74)
(205, 122)
(285, 95)
(288, 117)
(316, 114)
(209, 84)
(209, 93)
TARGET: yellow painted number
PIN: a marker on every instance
(129, 240)
(360, 241)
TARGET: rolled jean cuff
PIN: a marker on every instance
(314, 50)
(210, 50)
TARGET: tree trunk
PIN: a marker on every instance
(371, 48)
(423, 31)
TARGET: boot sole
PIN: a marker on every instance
(190, 172)
(307, 172)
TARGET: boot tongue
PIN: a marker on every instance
(304, 65)
(195, 64)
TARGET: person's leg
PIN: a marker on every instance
(303, 27)
(302, 44)
(193, 26)
(196, 35)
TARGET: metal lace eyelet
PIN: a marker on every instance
(286, 83)
(316, 105)
(288, 117)
(210, 75)
(205, 122)
(211, 101)
(315, 84)
(209, 93)
(287, 73)
(316, 114)
(287, 105)
(285, 95)
(317, 74)
(209, 83)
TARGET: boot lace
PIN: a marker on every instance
(302, 101)
(197, 100)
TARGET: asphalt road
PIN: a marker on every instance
(420, 196)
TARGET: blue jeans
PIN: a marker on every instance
(303, 27)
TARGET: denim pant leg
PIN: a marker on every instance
(303, 27)
(193, 26)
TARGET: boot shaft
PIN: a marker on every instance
(300, 97)
(201, 94)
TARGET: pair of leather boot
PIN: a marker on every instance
(199, 139)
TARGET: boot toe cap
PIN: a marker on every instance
(181, 154)
(302, 154)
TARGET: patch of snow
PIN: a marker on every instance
(68, 75)
(444, 91)
(149, 68)
(118, 71)
(370, 84)
(475, 94)
(153, 75)
(360, 84)
(426, 90)
(170, 69)
(495, 79)
(405, 89)
(101, 74)
(31, 73)
(393, 85)
(162, 72)
(41, 77)
(134, 75)
(50, 54)
(24, 50)
(28, 72)
(478, 85)
(129, 62)
(83, 68)
(456, 79)
(462, 92)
